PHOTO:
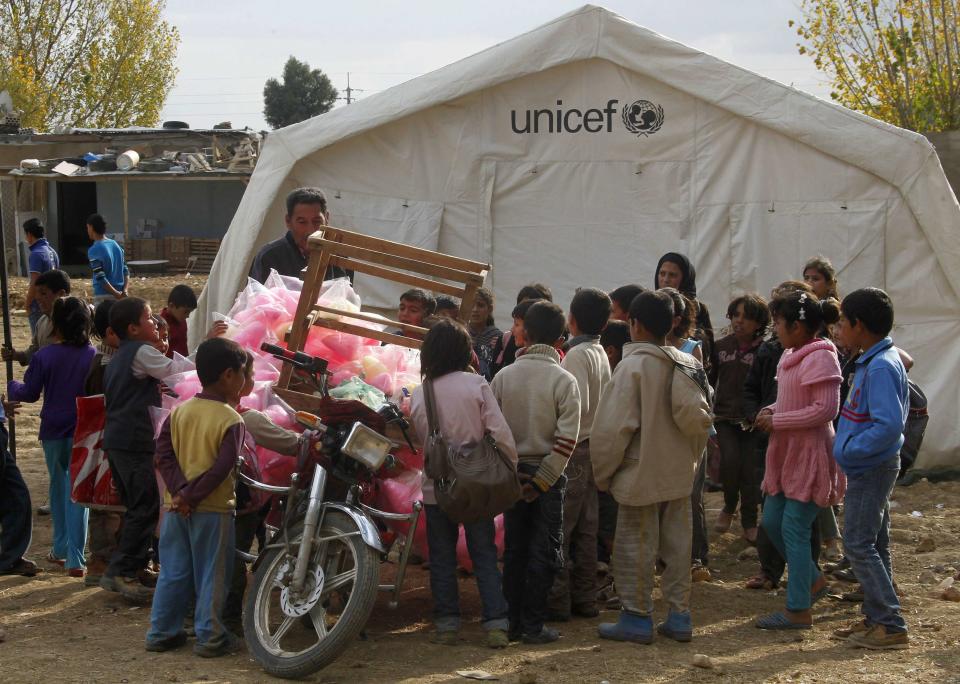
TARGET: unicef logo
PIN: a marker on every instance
(643, 118)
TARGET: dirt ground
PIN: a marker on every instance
(59, 631)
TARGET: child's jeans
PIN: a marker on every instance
(69, 519)
(645, 533)
(700, 552)
(575, 585)
(788, 524)
(866, 541)
(16, 525)
(135, 479)
(740, 471)
(197, 555)
(442, 535)
(773, 565)
(533, 552)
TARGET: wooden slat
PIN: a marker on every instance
(389, 338)
(298, 331)
(417, 266)
(370, 318)
(400, 249)
(397, 276)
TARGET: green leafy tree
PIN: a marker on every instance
(896, 60)
(90, 63)
(304, 93)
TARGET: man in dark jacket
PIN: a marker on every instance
(288, 255)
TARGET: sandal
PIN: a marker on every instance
(761, 582)
(779, 621)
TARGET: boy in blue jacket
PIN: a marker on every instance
(867, 448)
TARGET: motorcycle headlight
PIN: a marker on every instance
(367, 446)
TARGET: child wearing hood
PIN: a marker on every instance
(675, 270)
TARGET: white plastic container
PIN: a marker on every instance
(128, 160)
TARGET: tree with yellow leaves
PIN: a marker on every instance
(87, 63)
(896, 60)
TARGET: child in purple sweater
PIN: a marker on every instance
(58, 371)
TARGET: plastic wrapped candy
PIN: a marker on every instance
(275, 468)
(357, 390)
(396, 495)
(280, 416)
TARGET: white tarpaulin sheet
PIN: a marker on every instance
(578, 153)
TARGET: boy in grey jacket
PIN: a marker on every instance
(541, 403)
(650, 429)
(575, 586)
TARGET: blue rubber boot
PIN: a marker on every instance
(630, 627)
(677, 626)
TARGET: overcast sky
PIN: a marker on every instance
(229, 49)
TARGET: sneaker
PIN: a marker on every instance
(700, 573)
(148, 577)
(877, 638)
(629, 627)
(845, 575)
(230, 643)
(844, 633)
(546, 635)
(168, 644)
(23, 567)
(44, 509)
(448, 637)
(723, 522)
(677, 626)
(132, 590)
(497, 638)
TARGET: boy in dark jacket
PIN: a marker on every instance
(131, 384)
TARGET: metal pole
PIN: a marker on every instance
(7, 334)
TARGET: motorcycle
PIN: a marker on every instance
(316, 579)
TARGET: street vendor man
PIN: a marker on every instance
(288, 255)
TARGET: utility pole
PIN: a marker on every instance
(350, 91)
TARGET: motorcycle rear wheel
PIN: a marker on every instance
(341, 588)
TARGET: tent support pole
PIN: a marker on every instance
(7, 336)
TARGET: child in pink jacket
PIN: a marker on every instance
(801, 475)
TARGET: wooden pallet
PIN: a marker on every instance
(205, 251)
(393, 261)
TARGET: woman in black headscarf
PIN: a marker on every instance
(675, 270)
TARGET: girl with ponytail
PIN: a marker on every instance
(801, 475)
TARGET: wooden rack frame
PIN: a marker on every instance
(393, 261)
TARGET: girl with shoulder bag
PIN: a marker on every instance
(466, 411)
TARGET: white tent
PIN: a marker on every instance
(579, 152)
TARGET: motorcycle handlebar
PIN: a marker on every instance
(305, 361)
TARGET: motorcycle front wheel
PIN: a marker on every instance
(293, 635)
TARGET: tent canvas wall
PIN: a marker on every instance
(577, 153)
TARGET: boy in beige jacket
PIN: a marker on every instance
(650, 429)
